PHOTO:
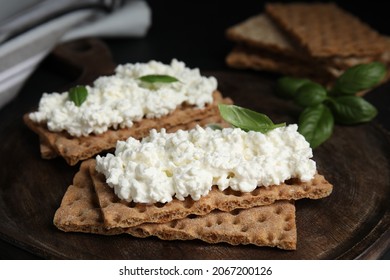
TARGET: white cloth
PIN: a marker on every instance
(20, 56)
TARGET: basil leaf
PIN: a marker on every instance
(246, 119)
(316, 124)
(287, 86)
(158, 79)
(78, 95)
(359, 77)
(310, 94)
(352, 109)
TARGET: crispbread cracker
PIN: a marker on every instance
(272, 225)
(259, 31)
(119, 213)
(246, 58)
(325, 30)
(79, 210)
(258, 36)
(74, 149)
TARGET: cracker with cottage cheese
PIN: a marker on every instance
(168, 176)
(123, 105)
(272, 225)
(118, 213)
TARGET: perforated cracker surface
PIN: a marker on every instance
(324, 29)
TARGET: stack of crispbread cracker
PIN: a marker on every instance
(263, 217)
(312, 40)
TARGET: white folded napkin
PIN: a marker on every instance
(20, 56)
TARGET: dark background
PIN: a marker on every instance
(191, 31)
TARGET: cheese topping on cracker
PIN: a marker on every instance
(188, 163)
(119, 100)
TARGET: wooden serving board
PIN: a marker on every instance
(352, 223)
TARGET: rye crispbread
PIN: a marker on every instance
(248, 58)
(326, 30)
(261, 45)
(119, 213)
(75, 149)
(272, 225)
(259, 31)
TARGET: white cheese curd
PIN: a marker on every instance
(188, 163)
(117, 101)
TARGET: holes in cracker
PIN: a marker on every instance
(261, 219)
(283, 236)
(141, 208)
(230, 191)
(173, 224)
(114, 199)
(219, 221)
(87, 144)
(69, 203)
(235, 212)
(117, 218)
(159, 205)
(292, 181)
(278, 210)
(288, 218)
(288, 227)
(270, 237)
(256, 192)
(191, 216)
(244, 229)
(131, 204)
(281, 193)
(188, 202)
(181, 226)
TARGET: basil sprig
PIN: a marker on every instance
(158, 79)
(322, 107)
(78, 95)
(247, 119)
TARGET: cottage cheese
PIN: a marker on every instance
(187, 163)
(119, 100)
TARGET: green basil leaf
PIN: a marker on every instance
(316, 124)
(359, 77)
(310, 94)
(158, 79)
(352, 109)
(246, 119)
(78, 95)
(287, 86)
